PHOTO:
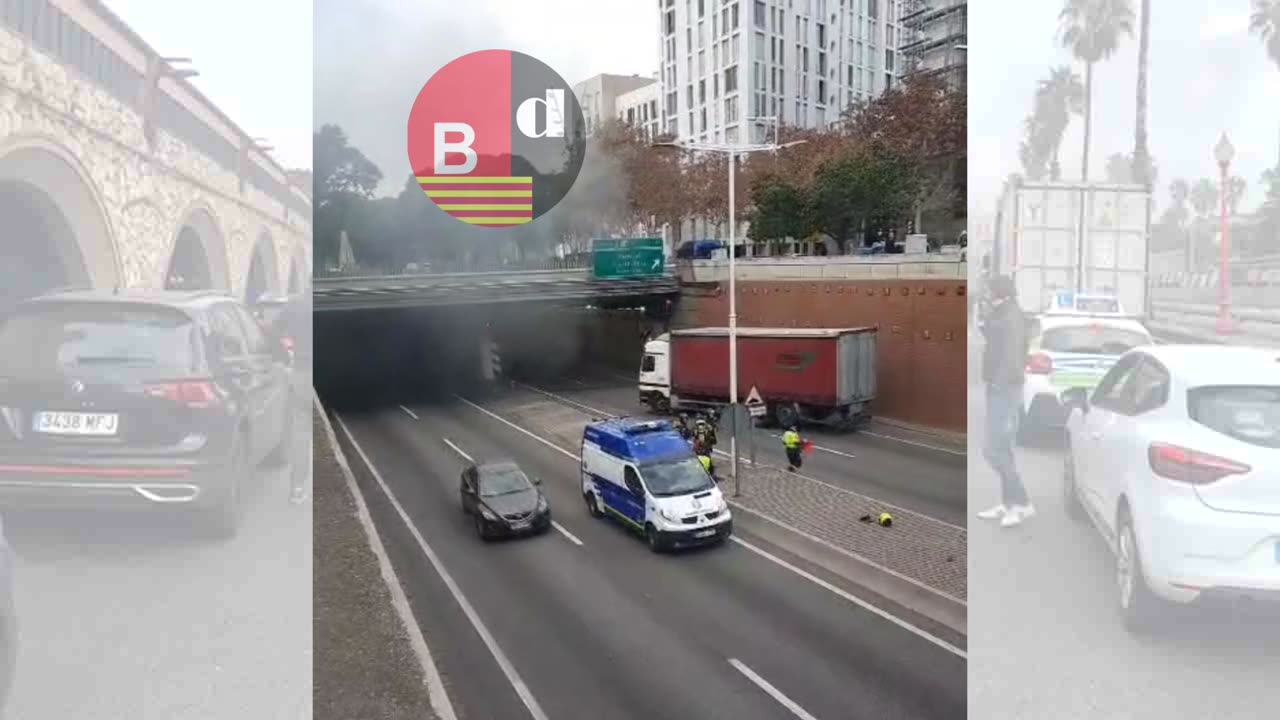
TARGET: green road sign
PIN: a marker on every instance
(620, 258)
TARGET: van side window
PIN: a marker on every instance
(632, 479)
(648, 364)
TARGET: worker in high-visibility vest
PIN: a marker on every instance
(792, 443)
(706, 464)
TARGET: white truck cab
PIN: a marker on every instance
(655, 374)
(644, 474)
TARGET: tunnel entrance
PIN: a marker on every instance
(38, 248)
(189, 266)
(54, 233)
(262, 270)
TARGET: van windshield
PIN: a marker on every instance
(677, 477)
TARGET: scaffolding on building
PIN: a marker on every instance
(934, 35)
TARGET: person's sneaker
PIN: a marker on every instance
(1011, 519)
(994, 513)
(1023, 511)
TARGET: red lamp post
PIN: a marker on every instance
(1223, 152)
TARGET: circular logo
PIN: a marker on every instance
(496, 138)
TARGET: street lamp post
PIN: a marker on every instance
(1223, 153)
(732, 150)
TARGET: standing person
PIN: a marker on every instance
(1004, 357)
(294, 323)
(792, 444)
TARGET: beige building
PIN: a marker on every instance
(598, 96)
(639, 109)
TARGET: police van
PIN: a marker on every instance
(645, 475)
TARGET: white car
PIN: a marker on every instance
(1070, 351)
(1175, 457)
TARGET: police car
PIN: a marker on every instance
(1069, 349)
(644, 474)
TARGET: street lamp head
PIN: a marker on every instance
(1223, 151)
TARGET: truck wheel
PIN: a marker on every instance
(660, 404)
(786, 414)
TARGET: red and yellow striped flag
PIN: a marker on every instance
(483, 201)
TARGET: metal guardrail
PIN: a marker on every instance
(478, 288)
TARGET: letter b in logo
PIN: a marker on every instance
(496, 138)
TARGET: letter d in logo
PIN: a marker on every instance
(527, 115)
(496, 138)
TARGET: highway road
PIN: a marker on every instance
(1046, 638)
(920, 472)
(134, 617)
(584, 622)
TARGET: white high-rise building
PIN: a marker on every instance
(639, 109)
(598, 96)
(803, 62)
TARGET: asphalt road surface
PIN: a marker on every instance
(1045, 633)
(134, 617)
(584, 622)
(916, 471)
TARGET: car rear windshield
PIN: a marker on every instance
(48, 339)
(1092, 339)
(1249, 414)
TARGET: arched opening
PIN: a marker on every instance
(54, 233)
(189, 266)
(199, 257)
(263, 276)
(298, 273)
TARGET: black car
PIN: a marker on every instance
(502, 500)
(138, 399)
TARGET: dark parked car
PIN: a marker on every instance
(8, 622)
(138, 399)
(502, 500)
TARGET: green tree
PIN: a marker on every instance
(1204, 197)
(1265, 22)
(1123, 169)
(344, 180)
(779, 210)
(1091, 30)
(1236, 189)
(866, 187)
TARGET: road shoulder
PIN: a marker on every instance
(369, 662)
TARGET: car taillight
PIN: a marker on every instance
(1039, 364)
(191, 393)
(1191, 466)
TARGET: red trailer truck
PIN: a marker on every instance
(802, 374)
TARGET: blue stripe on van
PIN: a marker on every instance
(619, 501)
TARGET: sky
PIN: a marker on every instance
(253, 56)
(373, 56)
(1208, 75)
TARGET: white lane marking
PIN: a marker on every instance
(513, 677)
(560, 528)
(436, 692)
(747, 462)
(461, 453)
(913, 442)
(772, 691)
(410, 412)
(853, 599)
(572, 538)
(802, 573)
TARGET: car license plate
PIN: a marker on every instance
(1075, 380)
(704, 533)
(74, 423)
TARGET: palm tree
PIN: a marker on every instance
(1091, 30)
(1141, 155)
(1265, 21)
(1059, 97)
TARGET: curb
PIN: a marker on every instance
(436, 693)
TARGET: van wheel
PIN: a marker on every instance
(593, 507)
(651, 537)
